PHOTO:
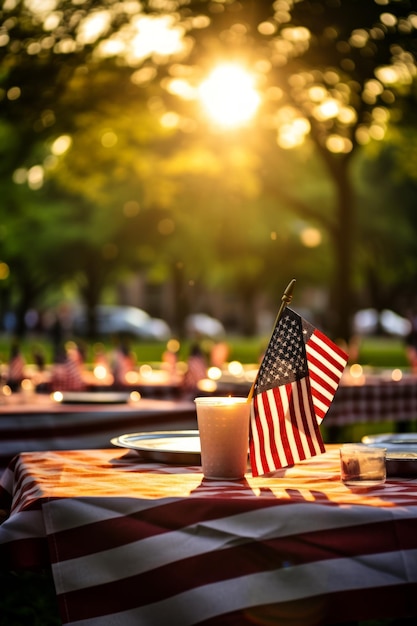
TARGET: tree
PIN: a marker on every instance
(333, 74)
(55, 92)
(387, 193)
(337, 73)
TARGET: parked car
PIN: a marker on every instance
(202, 325)
(127, 320)
(365, 322)
(394, 324)
(370, 322)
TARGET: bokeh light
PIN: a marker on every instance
(229, 95)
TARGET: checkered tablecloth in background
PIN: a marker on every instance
(375, 401)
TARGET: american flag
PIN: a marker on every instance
(296, 383)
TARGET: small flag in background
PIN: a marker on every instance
(296, 383)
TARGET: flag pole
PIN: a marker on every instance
(285, 301)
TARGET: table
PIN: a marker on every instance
(149, 381)
(369, 399)
(136, 543)
(38, 423)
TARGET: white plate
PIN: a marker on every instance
(393, 442)
(94, 397)
(401, 452)
(180, 447)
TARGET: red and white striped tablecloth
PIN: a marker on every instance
(134, 543)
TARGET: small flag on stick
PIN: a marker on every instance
(296, 383)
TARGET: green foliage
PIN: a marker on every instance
(134, 194)
(387, 222)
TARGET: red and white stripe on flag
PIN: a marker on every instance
(326, 362)
(284, 429)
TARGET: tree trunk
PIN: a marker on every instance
(248, 297)
(343, 239)
(181, 301)
(91, 291)
(27, 297)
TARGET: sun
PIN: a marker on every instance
(229, 96)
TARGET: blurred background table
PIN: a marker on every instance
(371, 399)
(368, 398)
(150, 382)
(38, 422)
(144, 543)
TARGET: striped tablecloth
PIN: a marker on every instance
(376, 400)
(134, 543)
(41, 424)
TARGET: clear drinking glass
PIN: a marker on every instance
(362, 466)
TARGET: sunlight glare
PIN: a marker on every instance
(37, 7)
(326, 110)
(93, 27)
(156, 34)
(61, 145)
(144, 37)
(311, 237)
(35, 177)
(293, 133)
(229, 96)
